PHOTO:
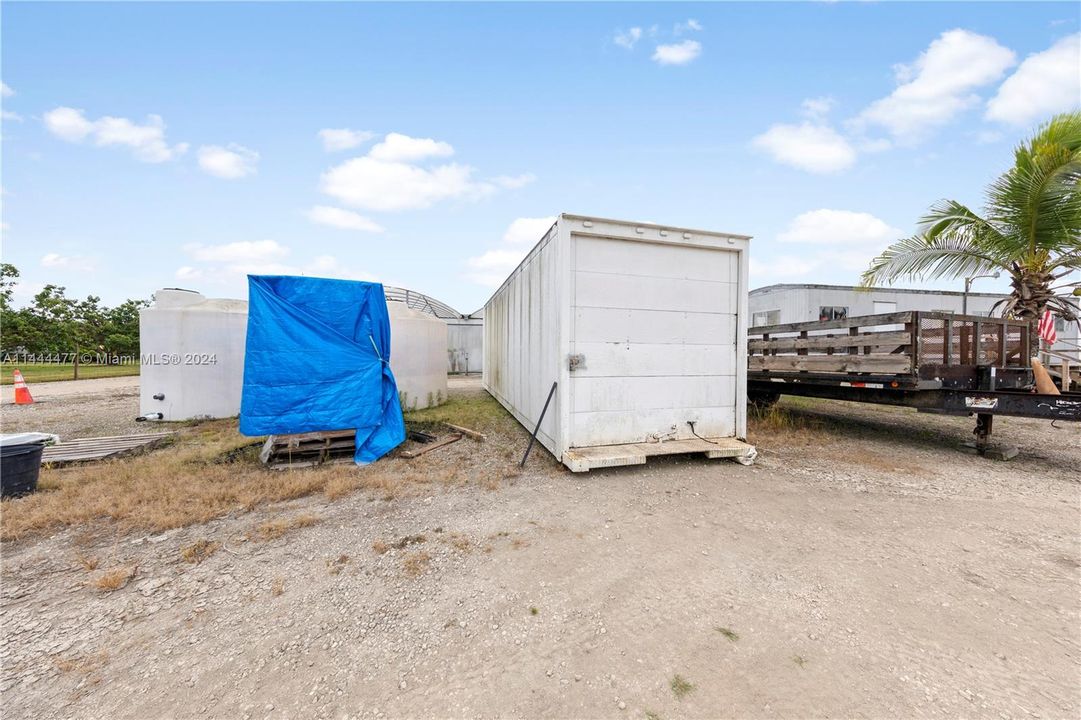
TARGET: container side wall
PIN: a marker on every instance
(521, 341)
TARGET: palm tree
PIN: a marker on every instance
(1030, 228)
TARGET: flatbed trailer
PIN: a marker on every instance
(934, 362)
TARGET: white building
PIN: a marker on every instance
(777, 304)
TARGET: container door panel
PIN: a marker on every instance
(655, 326)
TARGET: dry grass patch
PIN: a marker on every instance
(276, 528)
(336, 565)
(784, 421)
(460, 542)
(380, 547)
(416, 563)
(87, 562)
(114, 579)
(210, 470)
(198, 551)
(81, 663)
(277, 587)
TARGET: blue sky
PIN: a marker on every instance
(160, 145)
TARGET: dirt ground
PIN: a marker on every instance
(864, 567)
(77, 408)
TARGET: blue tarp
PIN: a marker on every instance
(318, 358)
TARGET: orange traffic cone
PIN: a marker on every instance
(22, 393)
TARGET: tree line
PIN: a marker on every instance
(54, 323)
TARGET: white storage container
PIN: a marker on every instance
(643, 329)
(192, 352)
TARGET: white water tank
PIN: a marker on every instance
(192, 352)
(418, 356)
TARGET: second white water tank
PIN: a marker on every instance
(418, 356)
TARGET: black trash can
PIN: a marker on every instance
(19, 468)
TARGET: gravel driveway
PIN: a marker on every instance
(863, 568)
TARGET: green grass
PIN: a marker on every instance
(728, 633)
(476, 411)
(680, 686)
(53, 372)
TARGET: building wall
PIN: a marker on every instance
(465, 346)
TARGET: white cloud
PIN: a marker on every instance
(491, 268)
(232, 162)
(938, 85)
(393, 177)
(259, 251)
(5, 90)
(810, 147)
(689, 26)
(679, 53)
(396, 147)
(513, 182)
(528, 231)
(68, 124)
(343, 219)
(8, 115)
(147, 142)
(628, 39)
(187, 272)
(389, 186)
(335, 139)
(838, 227)
(226, 265)
(816, 109)
(1046, 83)
(69, 262)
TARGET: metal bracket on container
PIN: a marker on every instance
(574, 362)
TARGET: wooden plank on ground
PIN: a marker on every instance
(601, 456)
(446, 440)
(467, 432)
(85, 449)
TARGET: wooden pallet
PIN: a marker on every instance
(585, 459)
(308, 449)
(100, 448)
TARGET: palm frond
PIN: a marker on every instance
(1038, 200)
(921, 257)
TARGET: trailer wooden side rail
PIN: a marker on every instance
(934, 362)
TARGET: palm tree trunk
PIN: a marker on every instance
(1031, 293)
